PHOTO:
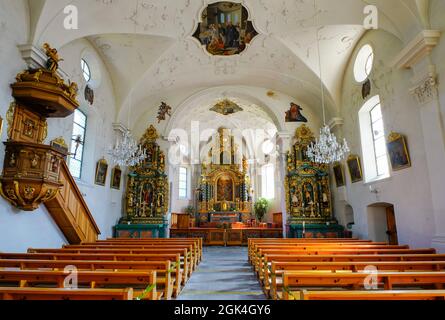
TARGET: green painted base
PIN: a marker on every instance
(140, 231)
(316, 231)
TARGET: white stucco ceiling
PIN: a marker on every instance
(148, 48)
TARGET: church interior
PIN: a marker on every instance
(233, 150)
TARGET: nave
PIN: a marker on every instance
(165, 269)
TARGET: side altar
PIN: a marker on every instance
(308, 194)
(147, 194)
(224, 185)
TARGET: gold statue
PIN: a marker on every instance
(53, 58)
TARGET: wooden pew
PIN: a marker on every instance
(197, 241)
(136, 280)
(8, 293)
(73, 258)
(259, 261)
(193, 251)
(273, 278)
(387, 280)
(184, 252)
(373, 295)
(163, 269)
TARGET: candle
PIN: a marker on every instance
(304, 224)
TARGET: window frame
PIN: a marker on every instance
(86, 69)
(83, 143)
(265, 181)
(186, 197)
(372, 171)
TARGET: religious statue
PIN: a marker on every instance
(53, 58)
(164, 110)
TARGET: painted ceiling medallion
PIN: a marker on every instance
(226, 107)
(225, 29)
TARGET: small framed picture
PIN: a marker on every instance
(398, 152)
(355, 168)
(101, 172)
(116, 175)
(339, 175)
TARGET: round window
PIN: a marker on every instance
(86, 71)
(363, 63)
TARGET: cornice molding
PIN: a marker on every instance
(417, 49)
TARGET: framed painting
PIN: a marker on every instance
(398, 152)
(101, 172)
(355, 168)
(116, 175)
(339, 175)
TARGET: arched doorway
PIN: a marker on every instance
(382, 224)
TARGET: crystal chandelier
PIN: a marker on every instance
(326, 149)
(127, 152)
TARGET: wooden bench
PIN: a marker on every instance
(314, 251)
(196, 241)
(373, 295)
(387, 280)
(273, 278)
(137, 280)
(8, 293)
(163, 269)
(73, 258)
(184, 252)
(193, 251)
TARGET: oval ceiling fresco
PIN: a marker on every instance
(225, 29)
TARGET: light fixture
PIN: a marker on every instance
(326, 149)
(127, 152)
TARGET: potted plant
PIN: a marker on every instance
(190, 210)
(260, 208)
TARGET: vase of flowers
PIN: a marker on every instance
(260, 209)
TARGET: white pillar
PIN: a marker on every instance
(284, 140)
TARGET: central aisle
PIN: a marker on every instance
(223, 274)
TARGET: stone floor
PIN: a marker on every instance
(223, 274)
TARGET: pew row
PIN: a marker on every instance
(8, 293)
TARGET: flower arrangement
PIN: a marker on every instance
(260, 208)
(190, 210)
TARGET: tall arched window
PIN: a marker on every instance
(268, 181)
(372, 132)
(77, 143)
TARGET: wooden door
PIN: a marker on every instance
(392, 227)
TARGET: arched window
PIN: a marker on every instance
(183, 183)
(86, 71)
(363, 63)
(77, 144)
(372, 132)
(268, 181)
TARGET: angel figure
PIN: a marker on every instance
(164, 110)
(53, 58)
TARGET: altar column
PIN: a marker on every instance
(284, 140)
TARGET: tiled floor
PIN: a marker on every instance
(223, 274)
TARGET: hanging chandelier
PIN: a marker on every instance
(127, 152)
(326, 149)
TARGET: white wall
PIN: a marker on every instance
(20, 230)
(409, 189)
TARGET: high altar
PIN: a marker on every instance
(308, 194)
(224, 185)
(147, 194)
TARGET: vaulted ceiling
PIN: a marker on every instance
(148, 48)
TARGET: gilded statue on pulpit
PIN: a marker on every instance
(147, 186)
(308, 196)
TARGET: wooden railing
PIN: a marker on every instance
(70, 211)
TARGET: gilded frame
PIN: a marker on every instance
(355, 168)
(115, 182)
(101, 172)
(398, 152)
(338, 170)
